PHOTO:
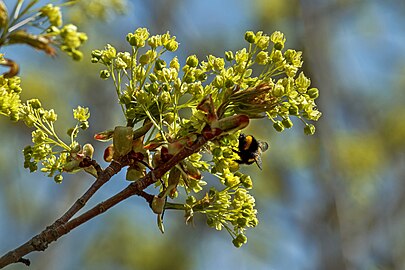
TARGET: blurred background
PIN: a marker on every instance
(329, 201)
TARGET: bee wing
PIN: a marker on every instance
(258, 159)
(263, 146)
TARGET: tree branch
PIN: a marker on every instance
(63, 226)
(104, 176)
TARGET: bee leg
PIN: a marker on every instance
(236, 151)
(258, 161)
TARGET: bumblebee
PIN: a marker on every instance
(250, 150)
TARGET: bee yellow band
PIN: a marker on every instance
(248, 142)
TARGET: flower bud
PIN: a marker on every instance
(201, 76)
(131, 39)
(189, 78)
(84, 125)
(211, 222)
(218, 82)
(278, 46)
(191, 200)
(313, 93)
(262, 58)
(96, 54)
(263, 42)
(302, 82)
(165, 97)
(142, 97)
(77, 55)
(172, 45)
(278, 39)
(34, 103)
(229, 56)
(242, 222)
(309, 129)
(246, 181)
(293, 110)
(240, 194)
(229, 83)
(250, 37)
(50, 115)
(242, 238)
(236, 243)
(192, 61)
(175, 64)
(152, 77)
(287, 123)
(160, 64)
(278, 126)
(120, 64)
(169, 118)
(104, 74)
(58, 178)
(218, 64)
(155, 41)
(278, 90)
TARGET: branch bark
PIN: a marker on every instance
(65, 224)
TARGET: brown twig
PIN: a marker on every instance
(64, 225)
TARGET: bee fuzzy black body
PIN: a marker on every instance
(250, 150)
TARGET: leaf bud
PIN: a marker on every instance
(158, 204)
(108, 153)
(88, 150)
(122, 140)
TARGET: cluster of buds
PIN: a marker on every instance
(10, 102)
(222, 96)
(49, 17)
(46, 141)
